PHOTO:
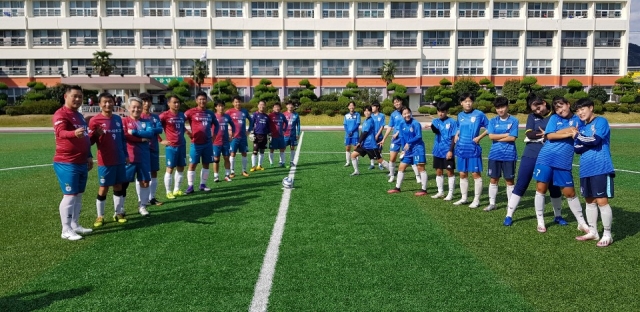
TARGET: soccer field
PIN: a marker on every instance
(347, 245)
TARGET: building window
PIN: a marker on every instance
(575, 10)
(335, 10)
(265, 67)
(573, 67)
(335, 39)
(574, 38)
(470, 67)
(404, 38)
(265, 38)
(158, 67)
(404, 9)
(405, 67)
(46, 8)
(437, 9)
(300, 67)
(435, 67)
(12, 38)
(13, 94)
(192, 9)
(335, 67)
(156, 38)
(369, 67)
(370, 10)
(606, 67)
(12, 8)
(609, 10)
(119, 8)
(504, 67)
(230, 68)
(124, 67)
(229, 38)
(506, 10)
(120, 37)
(193, 38)
(13, 68)
(264, 9)
(186, 67)
(300, 38)
(44, 37)
(48, 67)
(229, 9)
(370, 39)
(332, 90)
(469, 38)
(471, 9)
(506, 38)
(300, 9)
(83, 8)
(538, 67)
(156, 8)
(539, 38)
(81, 67)
(608, 38)
(540, 9)
(86, 37)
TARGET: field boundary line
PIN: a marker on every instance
(262, 290)
(24, 167)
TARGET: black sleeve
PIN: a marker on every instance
(533, 135)
(435, 129)
(363, 136)
(453, 144)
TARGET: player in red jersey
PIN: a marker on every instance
(278, 127)
(221, 141)
(172, 121)
(239, 141)
(202, 121)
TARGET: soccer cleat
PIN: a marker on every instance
(474, 204)
(260, 168)
(281, 165)
(355, 173)
(178, 193)
(170, 195)
(438, 195)
(244, 174)
(143, 211)
(490, 207)
(70, 235)
(216, 180)
(81, 230)
(381, 167)
(420, 193)
(99, 222)
(560, 221)
(226, 178)
(119, 217)
(204, 188)
(291, 164)
(460, 202)
(583, 228)
(605, 241)
(541, 229)
(391, 178)
(393, 190)
(507, 221)
(233, 174)
(449, 197)
(189, 190)
(588, 236)
(253, 168)
(371, 167)
(154, 201)
(346, 165)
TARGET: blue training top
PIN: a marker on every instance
(351, 124)
(558, 153)
(469, 125)
(442, 141)
(411, 133)
(503, 151)
(593, 146)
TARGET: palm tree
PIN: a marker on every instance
(199, 72)
(387, 73)
(102, 64)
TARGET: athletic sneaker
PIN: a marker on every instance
(605, 241)
(99, 222)
(189, 190)
(178, 193)
(507, 221)
(420, 193)
(226, 178)
(541, 229)
(233, 174)
(154, 201)
(438, 195)
(490, 207)
(449, 197)
(119, 217)
(560, 221)
(244, 174)
(588, 236)
(460, 202)
(281, 165)
(474, 204)
(355, 173)
(143, 211)
(380, 166)
(70, 235)
(204, 188)
(391, 178)
(583, 228)
(393, 190)
(216, 180)
(81, 230)
(346, 165)
(170, 196)
(253, 168)
(371, 167)
(260, 168)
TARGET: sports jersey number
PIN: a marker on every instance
(113, 135)
(537, 172)
(178, 126)
(205, 123)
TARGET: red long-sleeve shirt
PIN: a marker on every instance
(69, 148)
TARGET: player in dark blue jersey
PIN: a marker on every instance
(351, 125)
(410, 131)
(261, 130)
(367, 144)
(468, 148)
(536, 123)
(592, 139)
(445, 129)
(555, 161)
(503, 132)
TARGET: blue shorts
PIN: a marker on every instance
(277, 143)
(499, 168)
(72, 177)
(239, 145)
(350, 140)
(414, 160)
(223, 150)
(155, 160)
(176, 156)
(559, 177)
(473, 164)
(599, 186)
(291, 141)
(112, 175)
(395, 147)
(139, 170)
(201, 151)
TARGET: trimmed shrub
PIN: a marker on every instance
(623, 109)
(598, 109)
(330, 112)
(44, 107)
(423, 109)
(343, 111)
(612, 108)
(635, 108)
(31, 84)
(388, 110)
(316, 111)
(455, 110)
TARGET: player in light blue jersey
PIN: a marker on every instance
(503, 132)
(410, 131)
(351, 125)
(555, 161)
(592, 139)
(378, 121)
(445, 129)
(367, 144)
(468, 148)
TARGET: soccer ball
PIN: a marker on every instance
(287, 182)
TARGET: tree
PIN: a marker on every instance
(626, 89)
(199, 72)
(351, 91)
(511, 89)
(400, 91)
(3, 97)
(179, 89)
(487, 93)
(265, 91)
(368, 95)
(528, 85)
(599, 93)
(387, 73)
(102, 64)
(575, 90)
(224, 90)
(465, 85)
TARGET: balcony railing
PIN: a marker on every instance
(19, 71)
(121, 41)
(81, 71)
(83, 12)
(229, 42)
(49, 71)
(404, 13)
(335, 71)
(335, 42)
(406, 71)
(572, 71)
(506, 42)
(47, 41)
(538, 71)
(46, 12)
(300, 71)
(156, 42)
(542, 42)
(574, 42)
(83, 41)
(119, 12)
(368, 71)
(606, 71)
(13, 42)
(11, 12)
(265, 42)
(124, 71)
(194, 42)
(471, 42)
(221, 71)
(404, 42)
(158, 70)
(607, 42)
(266, 71)
(371, 42)
(192, 13)
(430, 42)
(300, 42)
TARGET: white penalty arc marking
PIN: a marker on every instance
(262, 291)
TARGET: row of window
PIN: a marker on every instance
(307, 9)
(307, 38)
(164, 67)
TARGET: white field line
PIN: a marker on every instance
(25, 167)
(262, 291)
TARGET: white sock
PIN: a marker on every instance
(557, 206)
(440, 184)
(452, 185)
(510, 191)
(415, 171)
(100, 207)
(138, 189)
(254, 160)
(354, 162)
(118, 203)
(477, 189)
(167, 182)
(423, 180)
(348, 155)
(493, 192)
(385, 164)
(392, 168)
(66, 208)
(226, 172)
(591, 211)
(260, 158)
(372, 162)
(282, 158)
(539, 205)
(271, 158)
(576, 208)
(244, 163)
(204, 176)
(191, 175)
(178, 180)
(514, 200)
(464, 188)
(232, 160)
(215, 175)
(607, 218)
(293, 155)
(77, 206)
(153, 187)
(144, 194)
(400, 178)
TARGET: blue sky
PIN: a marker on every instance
(635, 22)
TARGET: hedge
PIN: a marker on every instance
(44, 107)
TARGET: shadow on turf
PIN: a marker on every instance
(39, 299)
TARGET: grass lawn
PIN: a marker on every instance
(347, 246)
